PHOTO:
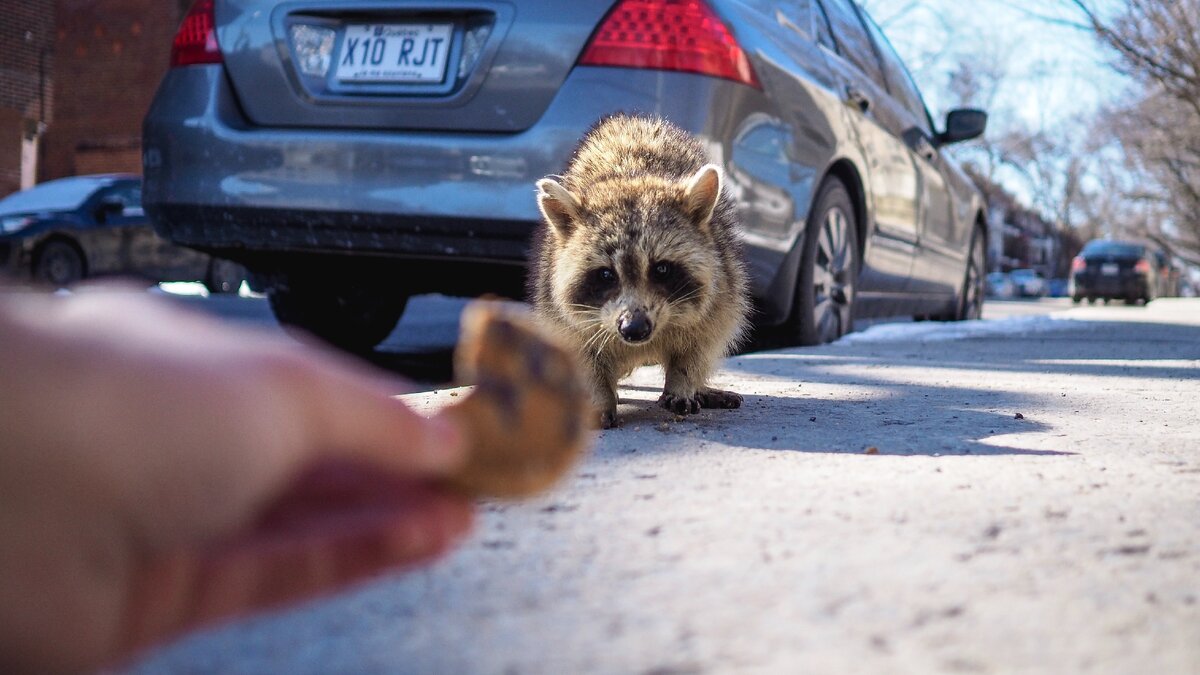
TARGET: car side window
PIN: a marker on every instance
(821, 25)
(900, 82)
(129, 196)
(853, 42)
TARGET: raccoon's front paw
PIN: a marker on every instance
(608, 419)
(680, 405)
(719, 398)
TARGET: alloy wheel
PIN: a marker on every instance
(973, 299)
(833, 277)
(59, 265)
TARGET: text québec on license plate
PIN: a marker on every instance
(394, 53)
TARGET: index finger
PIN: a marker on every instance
(350, 411)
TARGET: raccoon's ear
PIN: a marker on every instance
(702, 192)
(559, 207)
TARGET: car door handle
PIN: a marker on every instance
(925, 149)
(920, 144)
(856, 98)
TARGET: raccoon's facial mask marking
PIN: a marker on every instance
(676, 284)
(559, 207)
(595, 288)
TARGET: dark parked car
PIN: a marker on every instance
(65, 230)
(1114, 270)
(354, 154)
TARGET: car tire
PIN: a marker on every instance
(351, 319)
(59, 264)
(1076, 300)
(968, 305)
(224, 276)
(822, 310)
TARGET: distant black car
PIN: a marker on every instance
(65, 230)
(1113, 270)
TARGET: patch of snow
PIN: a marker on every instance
(244, 291)
(933, 331)
(194, 288)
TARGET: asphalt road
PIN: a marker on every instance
(1016, 495)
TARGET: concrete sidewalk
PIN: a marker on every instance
(1024, 498)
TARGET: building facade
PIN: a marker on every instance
(26, 87)
(110, 56)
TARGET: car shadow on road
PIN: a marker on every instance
(885, 426)
(424, 369)
(963, 412)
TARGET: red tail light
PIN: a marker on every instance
(1078, 264)
(682, 35)
(196, 41)
(1142, 266)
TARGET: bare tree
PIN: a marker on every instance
(975, 80)
(1157, 44)
(924, 35)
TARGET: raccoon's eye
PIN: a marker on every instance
(605, 274)
(663, 270)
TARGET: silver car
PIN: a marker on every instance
(352, 154)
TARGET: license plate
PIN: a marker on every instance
(1109, 269)
(394, 52)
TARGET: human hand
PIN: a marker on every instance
(160, 471)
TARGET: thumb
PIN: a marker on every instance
(351, 413)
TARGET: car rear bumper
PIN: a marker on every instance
(214, 181)
(1111, 286)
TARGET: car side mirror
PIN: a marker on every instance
(109, 207)
(963, 124)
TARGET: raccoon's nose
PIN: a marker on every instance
(634, 326)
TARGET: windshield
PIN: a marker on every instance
(1117, 249)
(65, 194)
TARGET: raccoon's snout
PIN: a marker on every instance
(634, 326)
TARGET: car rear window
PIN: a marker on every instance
(66, 194)
(1113, 248)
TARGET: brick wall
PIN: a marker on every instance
(26, 41)
(110, 57)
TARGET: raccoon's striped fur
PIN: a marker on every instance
(638, 262)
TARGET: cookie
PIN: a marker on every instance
(526, 421)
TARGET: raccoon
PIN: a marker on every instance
(638, 262)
